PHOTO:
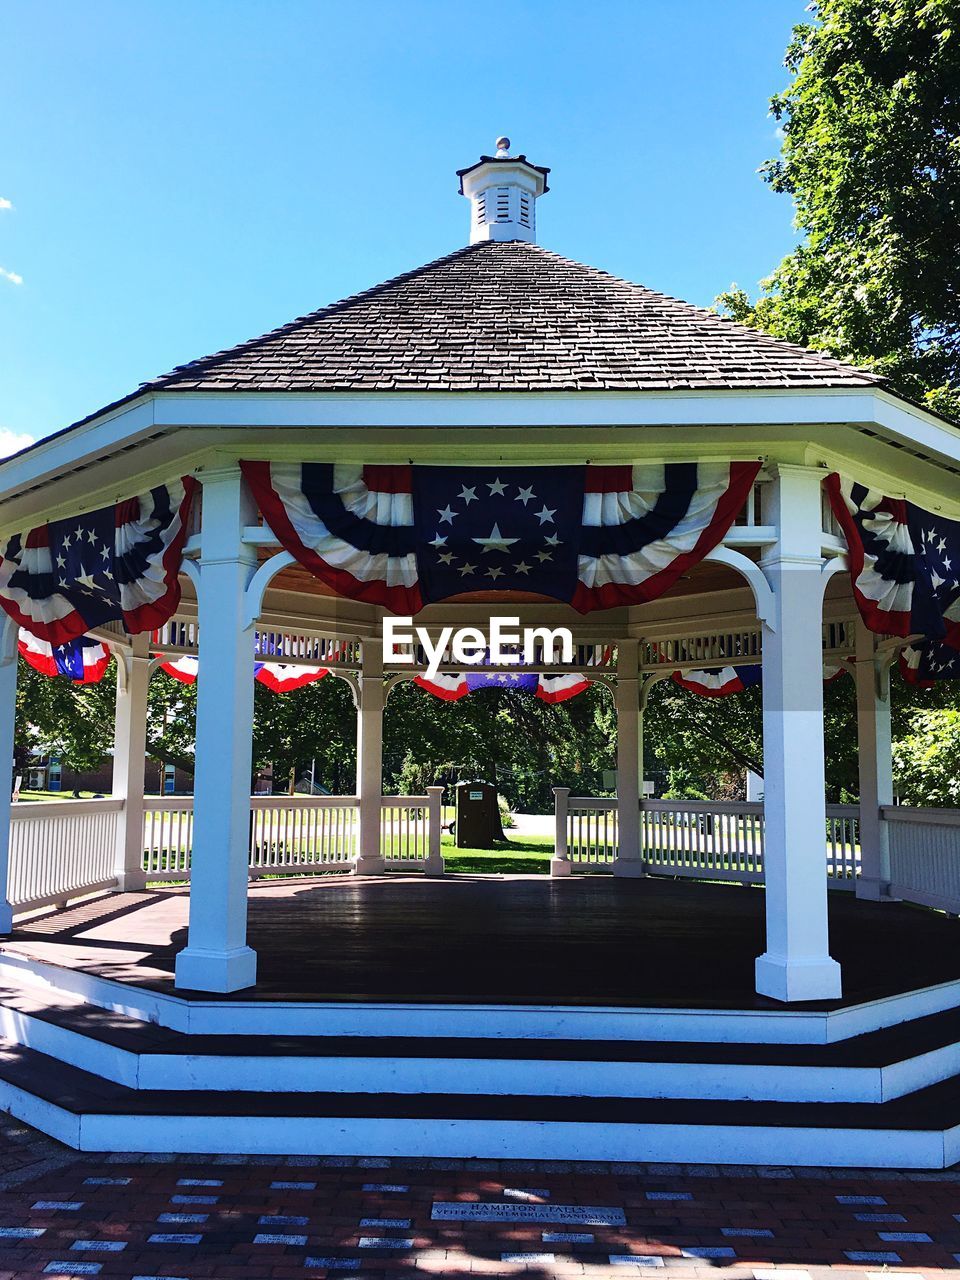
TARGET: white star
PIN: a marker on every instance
(552, 541)
(78, 532)
(467, 568)
(447, 515)
(947, 563)
(496, 489)
(446, 558)
(522, 567)
(66, 541)
(931, 534)
(105, 552)
(496, 541)
(468, 495)
(85, 580)
(494, 572)
(544, 555)
(438, 542)
(108, 574)
(61, 563)
(63, 582)
(92, 537)
(942, 544)
(543, 515)
(525, 496)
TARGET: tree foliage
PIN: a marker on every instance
(871, 157)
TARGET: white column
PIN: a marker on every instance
(560, 862)
(129, 761)
(796, 964)
(8, 709)
(433, 863)
(216, 957)
(370, 758)
(629, 859)
(875, 761)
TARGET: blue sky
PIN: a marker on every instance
(183, 176)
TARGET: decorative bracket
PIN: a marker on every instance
(257, 586)
(762, 593)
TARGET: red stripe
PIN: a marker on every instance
(610, 594)
(608, 479)
(126, 512)
(438, 691)
(39, 537)
(39, 661)
(176, 674)
(912, 676)
(570, 691)
(150, 616)
(402, 600)
(705, 691)
(289, 683)
(388, 477)
(885, 621)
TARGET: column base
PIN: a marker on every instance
(6, 917)
(369, 866)
(872, 890)
(433, 867)
(131, 881)
(631, 868)
(560, 867)
(201, 970)
(812, 978)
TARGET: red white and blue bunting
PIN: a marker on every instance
(904, 562)
(279, 677)
(726, 680)
(118, 564)
(922, 664)
(83, 660)
(591, 536)
(451, 687)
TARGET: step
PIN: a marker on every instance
(872, 1068)
(920, 1130)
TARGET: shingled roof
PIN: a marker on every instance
(510, 317)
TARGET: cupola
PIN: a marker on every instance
(503, 191)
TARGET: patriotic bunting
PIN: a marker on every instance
(83, 660)
(279, 677)
(591, 536)
(904, 562)
(727, 680)
(118, 564)
(451, 687)
(928, 661)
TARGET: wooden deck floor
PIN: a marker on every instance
(513, 940)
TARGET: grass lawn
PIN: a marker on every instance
(527, 854)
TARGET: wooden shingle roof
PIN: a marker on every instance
(511, 317)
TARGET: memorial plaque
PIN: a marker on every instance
(385, 1242)
(567, 1237)
(526, 1193)
(635, 1260)
(591, 1215)
(528, 1258)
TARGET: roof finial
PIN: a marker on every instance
(503, 147)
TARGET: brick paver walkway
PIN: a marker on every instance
(270, 1218)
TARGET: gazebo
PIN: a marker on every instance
(500, 432)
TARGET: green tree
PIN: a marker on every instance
(871, 157)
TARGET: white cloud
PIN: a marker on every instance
(11, 441)
(11, 276)
(5, 203)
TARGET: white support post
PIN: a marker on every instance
(560, 862)
(217, 957)
(433, 863)
(875, 756)
(370, 759)
(629, 859)
(129, 761)
(8, 711)
(796, 964)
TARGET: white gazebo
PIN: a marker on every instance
(496, 359)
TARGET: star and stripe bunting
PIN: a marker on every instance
(452, 687)
(925, 662)
(904, 562)
(118, 564)
(403, 536)
(83, 660)
(279, 677)
(726, 680)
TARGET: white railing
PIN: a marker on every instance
(60, 849)
(291, 834)
(924, 846)
(713, 840)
